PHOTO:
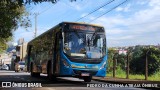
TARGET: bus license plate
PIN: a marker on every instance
(84, 74)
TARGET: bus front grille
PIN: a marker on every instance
(87, 61)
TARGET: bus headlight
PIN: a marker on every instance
(65, 63)
(103, 65)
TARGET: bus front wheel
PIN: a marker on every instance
(87, 78)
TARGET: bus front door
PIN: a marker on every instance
(56, 63)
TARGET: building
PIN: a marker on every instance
(122, 51)
(21, 52)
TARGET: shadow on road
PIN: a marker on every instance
(59, 82)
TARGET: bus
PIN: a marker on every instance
(70, 49)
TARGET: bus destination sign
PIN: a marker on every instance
(81, 27)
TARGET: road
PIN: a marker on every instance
(62, 83)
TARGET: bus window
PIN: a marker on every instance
(83, 45)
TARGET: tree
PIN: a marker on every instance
(153, 59)
(121, 61)
(40, 1)
(12, 15)
(137, 63)
(111, 54)
(3, 45)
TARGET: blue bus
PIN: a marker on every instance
(70, 49)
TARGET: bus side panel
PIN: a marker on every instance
(102, 71)
(64, 70)
(47, 52)
(44, 66)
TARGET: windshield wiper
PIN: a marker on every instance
(95, 33)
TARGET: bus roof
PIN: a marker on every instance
(83, 23)
(66, 23)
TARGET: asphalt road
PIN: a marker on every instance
(62, 83)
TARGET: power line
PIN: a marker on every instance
(46, 9)
(109, 10)
(96, 10)
(43, 10)
(35, 16)
(66, 13)
(130, 25)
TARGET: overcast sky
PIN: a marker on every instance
(137, 22)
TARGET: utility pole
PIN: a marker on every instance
(128, 59)
(127, 70)
(146, 65)
(22, 48)
(114, 64)
(114, 67)
(36, 14)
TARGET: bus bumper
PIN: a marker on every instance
(81, 72)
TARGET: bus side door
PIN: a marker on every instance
(56, 63)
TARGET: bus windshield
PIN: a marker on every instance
(84, 45)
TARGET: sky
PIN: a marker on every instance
(136, 22)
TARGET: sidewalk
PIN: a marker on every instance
(126, 81)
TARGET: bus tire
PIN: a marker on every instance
(33, 74)
(87, 79)
(37, 74)
(50, 75)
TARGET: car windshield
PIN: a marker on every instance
(84, 45)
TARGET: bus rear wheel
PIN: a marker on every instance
(50, 75)
(87, 78)
(33, 74)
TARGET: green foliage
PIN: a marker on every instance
(121, 60)
(120, 73)
(3, 45)
(137, 60)
(40, 1)
(111, 53)
(153, 60)
(155, 76)
(12, 15)
(137, 64)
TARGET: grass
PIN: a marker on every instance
(155, 77)
(122, 74)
